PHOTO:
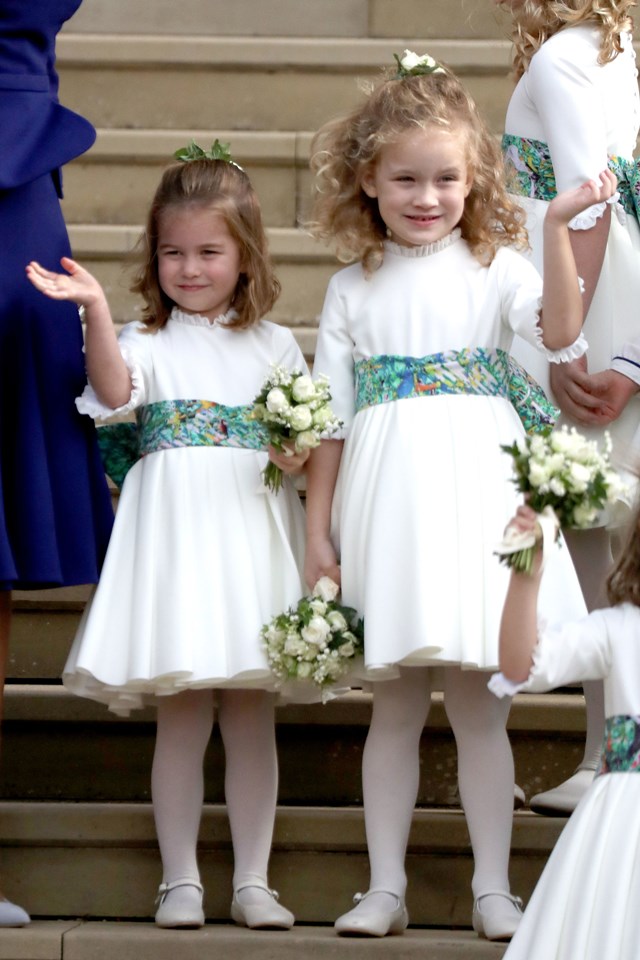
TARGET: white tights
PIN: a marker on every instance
(391, 771)
(592, 557)
(185, 722)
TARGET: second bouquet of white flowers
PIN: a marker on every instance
(316, 641)
(296, 411)
(563, 475)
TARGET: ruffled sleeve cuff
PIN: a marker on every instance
(575, 350)
(501, 686)
(589, 217)
(90, 405)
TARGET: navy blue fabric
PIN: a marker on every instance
(55, 509)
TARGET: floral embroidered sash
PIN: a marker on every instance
(530, 173)
(494, 373)
(621, 745)
(177, 423)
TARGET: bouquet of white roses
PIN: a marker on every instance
(317, 640)
(293, 408)
(563, 472)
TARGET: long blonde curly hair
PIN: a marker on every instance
(346, 148)
(534, 21)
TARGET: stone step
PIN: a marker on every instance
(57, 746)
(295, 18)
(101, 860)
(86, 940)
(113, 183)
(251, 83)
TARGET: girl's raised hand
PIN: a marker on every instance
(570, 203)
(77, 285)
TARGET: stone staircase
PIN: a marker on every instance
(76, 829)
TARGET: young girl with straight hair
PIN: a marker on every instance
(415, 338)
(574, 109)
(202, 555)
(586, 901)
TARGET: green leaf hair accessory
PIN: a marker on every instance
(218, 151)
(411, 65)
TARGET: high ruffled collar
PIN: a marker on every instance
(196, 320)
(424, 251)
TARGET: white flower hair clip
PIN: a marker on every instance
(411, 65)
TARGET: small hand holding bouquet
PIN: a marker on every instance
(566, 479)
(316, 641)
(296, 411)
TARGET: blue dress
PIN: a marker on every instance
(55, 510)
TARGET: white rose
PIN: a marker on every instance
(579, 477)
(306, 440)
(410, 60)
(323, 416)
(557, 487)
(294, 646)
(303, 389)
(304, 670)
(337, 621)
(318, 605)
(538, 473)
(274, 634)
(584, 515)
(326, 589)
(277, 401)
(346, 649)
(316, 632)
(301, 418)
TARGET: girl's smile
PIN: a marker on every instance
(421, 182)
(198, 260)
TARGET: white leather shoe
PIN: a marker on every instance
(496, 918)
(373, 923)
(184, 911)
(562, 800)
(11, 915)
(267, 915)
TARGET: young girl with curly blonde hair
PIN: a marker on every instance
(576, 108)
(415, 338)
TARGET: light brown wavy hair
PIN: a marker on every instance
(623, 583)
(534, 21)
(224, 189)
(346, 148)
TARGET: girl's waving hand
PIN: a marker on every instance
(77, 284)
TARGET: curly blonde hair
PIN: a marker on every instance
(345, 149)
(224, 189)
(534, 21)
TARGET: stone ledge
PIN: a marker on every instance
(90, 940)
(246, 53)
(51, 703)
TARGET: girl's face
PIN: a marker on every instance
(421, 182)
(199, 262)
